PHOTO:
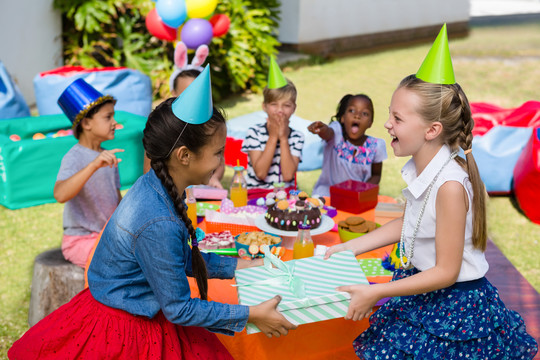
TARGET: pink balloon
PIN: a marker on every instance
(196, 32)
(220, 24)
(157, 28)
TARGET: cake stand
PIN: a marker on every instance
(326, 225)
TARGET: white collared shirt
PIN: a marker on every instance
(474, 263)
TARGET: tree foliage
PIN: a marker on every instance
(99, 33)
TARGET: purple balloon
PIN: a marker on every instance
(173, 13)
(196, 32)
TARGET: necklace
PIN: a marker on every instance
(409, 254)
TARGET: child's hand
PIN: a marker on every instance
(107, 158)
(215, 183)
(246, 263)
(316, 127)
(272, 125)
(334, 249)
(283, 127)
(363, 299)
(270, 321)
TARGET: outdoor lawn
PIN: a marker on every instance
(499, 65)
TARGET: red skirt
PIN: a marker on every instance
(86, 329)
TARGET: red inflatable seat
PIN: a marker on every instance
(527, 178)
(233, 155)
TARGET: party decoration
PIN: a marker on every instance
(200, 8)
(157, 28)
(194, 105)
(276, 79)
(173, 13)
(168, 20)
(220, 24)
(437, 66)
(181, 61)
(196, 32)
(78, 98)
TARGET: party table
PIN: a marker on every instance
(330, 339)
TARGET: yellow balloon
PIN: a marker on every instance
(200, 8)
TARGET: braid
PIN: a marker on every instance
(197, 262)
(465, 136)
(479, 199)
(464, 140)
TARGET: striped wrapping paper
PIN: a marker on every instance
(320, 278)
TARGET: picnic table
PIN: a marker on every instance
(330, 339)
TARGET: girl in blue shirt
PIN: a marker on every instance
(139, 304)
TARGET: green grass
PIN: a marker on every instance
(493, 64)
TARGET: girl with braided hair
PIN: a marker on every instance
(139, 304)
(441, 305)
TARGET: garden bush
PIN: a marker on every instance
(99, 33)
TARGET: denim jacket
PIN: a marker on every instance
(143, 260)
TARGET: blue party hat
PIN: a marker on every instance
(194, 105)
(78, 98)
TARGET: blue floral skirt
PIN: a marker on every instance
(465, 320)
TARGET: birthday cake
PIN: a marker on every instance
(287, 213)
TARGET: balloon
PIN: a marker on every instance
(200, 8)
(179, 36)
(196, 32)
(172, 12)
(220, 24)
(157, 28)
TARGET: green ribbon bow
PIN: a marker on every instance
(282, 274)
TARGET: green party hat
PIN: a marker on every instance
(437, 66)
(276, 79)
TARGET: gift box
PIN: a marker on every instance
(354, 196)
(386, 212)
(307, 286)
(207, 192)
